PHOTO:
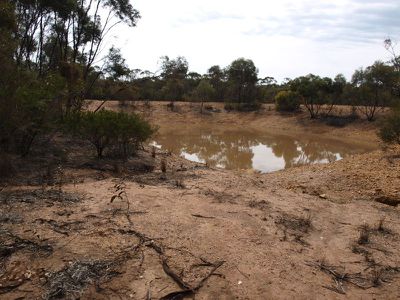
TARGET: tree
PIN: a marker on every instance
(268, 89)
(217, 79)
(314, 91)
(173, 73)
(116, 67)
(242, 79)
(395, 62)
(338, 86)
(105, 128)
(48, 51)
(389, 130)
(203, 92)
(373, 88)
(287, 101)
(67, 36)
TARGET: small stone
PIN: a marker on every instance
(322, 196)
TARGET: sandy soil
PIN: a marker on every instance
(111, 231)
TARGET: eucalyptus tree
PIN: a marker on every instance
(173, 73)
(314, 92)
(67, 36)
(373, 88)
(217, 78)
(242, 80)
(49, 50)
(203, 92)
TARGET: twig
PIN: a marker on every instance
(200, 216)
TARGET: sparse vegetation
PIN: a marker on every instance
(389, 130)
(287, 101)
(163, 165)
(365, 232)
(107, 128)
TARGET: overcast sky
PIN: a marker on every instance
(285, 38)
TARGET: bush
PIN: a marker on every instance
(339, 121)
(389, 131)
(243, 107)
(125, 132)
(287, 101)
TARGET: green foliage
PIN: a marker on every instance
(116, 67)
(173, 73)
(314, 91)
(203, 92)
(373, 88)
(107, 128)
(389, 130)
(48, 49)
(242, 79)
(243, 107)
(287, 101)
(217, 78)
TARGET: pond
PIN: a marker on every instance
(243, 149)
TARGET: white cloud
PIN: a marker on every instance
(284, 38)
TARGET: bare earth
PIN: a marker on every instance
(109, 231)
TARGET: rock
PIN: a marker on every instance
(322, 196)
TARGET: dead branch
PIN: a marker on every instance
(187, 290)
(201, 216)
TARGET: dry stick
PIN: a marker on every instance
(338, 277)
(186, 288)
(191, 291)
(200, 216)
(57, 227)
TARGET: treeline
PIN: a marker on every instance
(49, 51)
(49, 58)
(239, 85)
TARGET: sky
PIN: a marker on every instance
(285, 38)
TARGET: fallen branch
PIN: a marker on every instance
(200, 216)
(340, 277)
(190, 291)
(187, 290)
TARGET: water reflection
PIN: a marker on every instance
(247, 149)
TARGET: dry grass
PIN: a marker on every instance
(365, 232)
(69, 282)
(294, 223)
(180, 184)
(163, 166)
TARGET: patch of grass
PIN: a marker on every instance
(262, 205)
(180, 184)
(74, 278)
(295, 223)
(163, 166)
(338, 121)
(382, 228)
(359, 250)
(365, 232)
(377, 278)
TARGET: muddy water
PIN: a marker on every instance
(248, 149)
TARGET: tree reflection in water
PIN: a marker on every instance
(247, 149)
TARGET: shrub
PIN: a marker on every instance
(389, 130)
(243, 107)
(287, 101)
(6, 166)
(106, 128)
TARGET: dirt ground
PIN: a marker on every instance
(73, 227)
